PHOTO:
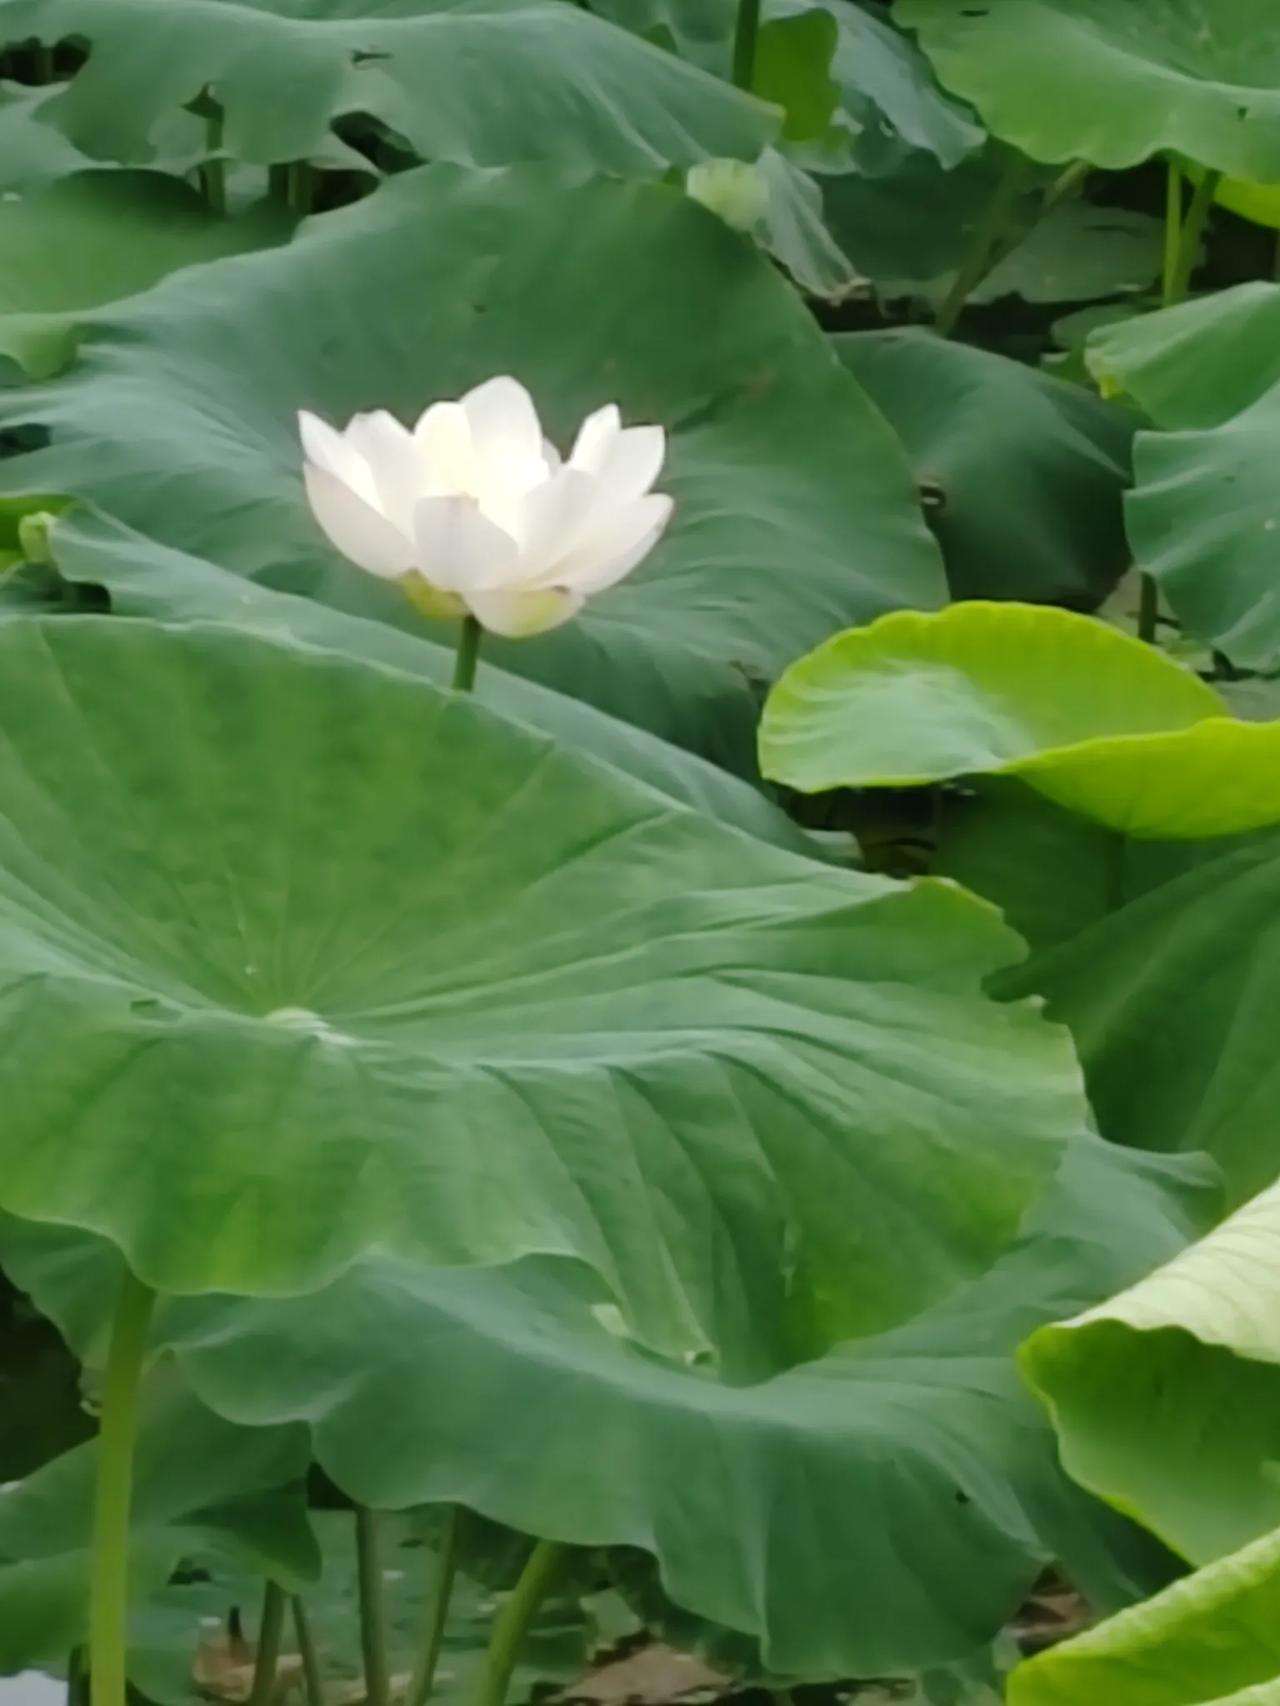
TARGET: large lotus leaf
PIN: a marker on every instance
(96, 555)
(98, 237)
(886, 87)
(338, 961)
(200, 1482)
(883, 1507)
(1000, 841)
(1086, 715)
(1171, 1000)
(1198, 1643)
(911, 226)
(794, 230)
(1091, 80)
(1165, 1398)
(32, 151)
(1196, 365)
(484, 83)
(796, 512)
(1203, 518)
(1027, 473)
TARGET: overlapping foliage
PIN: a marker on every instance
(681, 1112)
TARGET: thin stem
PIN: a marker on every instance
(213, 174)
(1172, 230)
(298, 185)
(109, 1562)
(278, 184)
(1148, 609)
(77, 1678)
(1189, 242)
(987, 235)
(745, 35)
(1067, 182)
(311, 1677)
(445, 1569)
(267, 1659)
(512, 1622)
(467, 656)
(373, 1629)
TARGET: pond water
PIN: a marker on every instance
(32, 1688)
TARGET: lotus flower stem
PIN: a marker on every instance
(468, 653)
(443, 1575)
(744, 43)
(1148, 609)
(512, 1622)
(1172, 230)
(109, 1563)
(312, 1680)
(213, 174)
(267, 1659)
(298, 186)
(990, 231)
(373, 1628)
(1189, 240)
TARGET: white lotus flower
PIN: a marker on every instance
(473, 511)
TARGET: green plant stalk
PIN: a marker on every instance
(1181, 249)
(373, 1628)
(1189, 239)
(267, 1658)
(298, 186)
(991, 230)
(312, 1680)
(1148, 609)
(113, 1493)
(77, 1678)
(512, 1622)
(467, 655)
(213, 174)
(1172, 230)
(441, 1591)
(746, 33)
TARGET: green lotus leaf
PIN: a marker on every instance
(909, 227)
(999, 841)
(1165, 1398)
(1203, 517)
(409, 1380)
(200, 1482)
(99, 557)
(1084, 714)
(796, 512)
(342, 962)
(794, 230)
(1198, 365)
(1026, 473)
(1171, 999)
(484, 83)
(1208, 1640)
(98, 237)
(1089, 80)
(889, 100)
(32, 151)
